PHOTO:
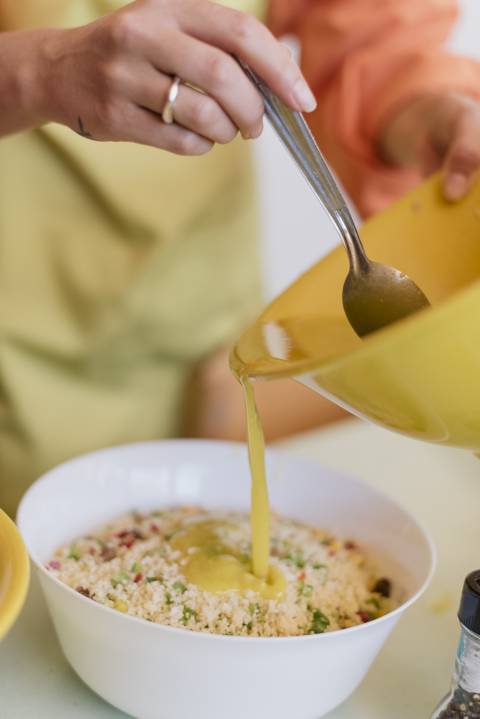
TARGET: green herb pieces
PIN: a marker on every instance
(254, 609)
(120, 578)
(188, 613)
(319, 622)
(179, 587)
(305, 590)
(297, 558)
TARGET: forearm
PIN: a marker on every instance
(215, 407)
(24, 80)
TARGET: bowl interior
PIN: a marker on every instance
(14, 573)
(89, 491)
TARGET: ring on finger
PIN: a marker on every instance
(167, 112)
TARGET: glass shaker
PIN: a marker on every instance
(463, 701)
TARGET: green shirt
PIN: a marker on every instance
(120, 268)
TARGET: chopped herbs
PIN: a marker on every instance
(297, 558)
(188, 613)
(319, 622)
(120, 578)
(305, 590)
(179, 587)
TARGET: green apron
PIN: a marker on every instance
(121, 267)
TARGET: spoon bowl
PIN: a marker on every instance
(378, 295)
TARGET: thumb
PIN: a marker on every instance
(463, 158)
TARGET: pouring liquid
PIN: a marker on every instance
(260, 509)
(269, 350)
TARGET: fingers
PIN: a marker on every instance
(429, 157)
(193, 110)
(463, 157)
(201, 114)
(146, 128)
(242, 35)
(140, 47)
(216, 73)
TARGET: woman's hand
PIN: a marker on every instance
(109, 80)
(437, 131)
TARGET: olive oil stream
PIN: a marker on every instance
(266, 351)
(260, 508)
(269, 350)
(211, 563)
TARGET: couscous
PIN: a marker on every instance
(140, 564)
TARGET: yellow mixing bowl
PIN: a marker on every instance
(14, 573)
(421, 376)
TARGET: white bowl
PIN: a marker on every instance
(156, 672)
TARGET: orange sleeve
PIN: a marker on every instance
(365, 59)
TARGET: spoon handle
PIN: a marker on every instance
(295, 135)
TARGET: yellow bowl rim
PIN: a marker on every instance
(386, 337)
(16, 593)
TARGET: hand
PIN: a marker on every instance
(437, 131)
(109, 80)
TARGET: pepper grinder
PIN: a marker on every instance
(463, 701)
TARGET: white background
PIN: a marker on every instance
(295, 230)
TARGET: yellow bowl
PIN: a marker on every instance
(14, 573)
(422, 375)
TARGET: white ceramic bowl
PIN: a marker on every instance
(156, 672)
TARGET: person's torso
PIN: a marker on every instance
(120, 267)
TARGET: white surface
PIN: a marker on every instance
(441, 486)
(141, 667)
(296, 232)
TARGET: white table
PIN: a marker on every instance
(441, 486)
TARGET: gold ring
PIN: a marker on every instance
(167, 112)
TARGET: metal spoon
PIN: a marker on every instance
(374, 295)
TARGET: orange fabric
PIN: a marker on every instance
(364, 59)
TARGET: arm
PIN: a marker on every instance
(109, 80)
(370, 63)
(216, 405)
(21, 94)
